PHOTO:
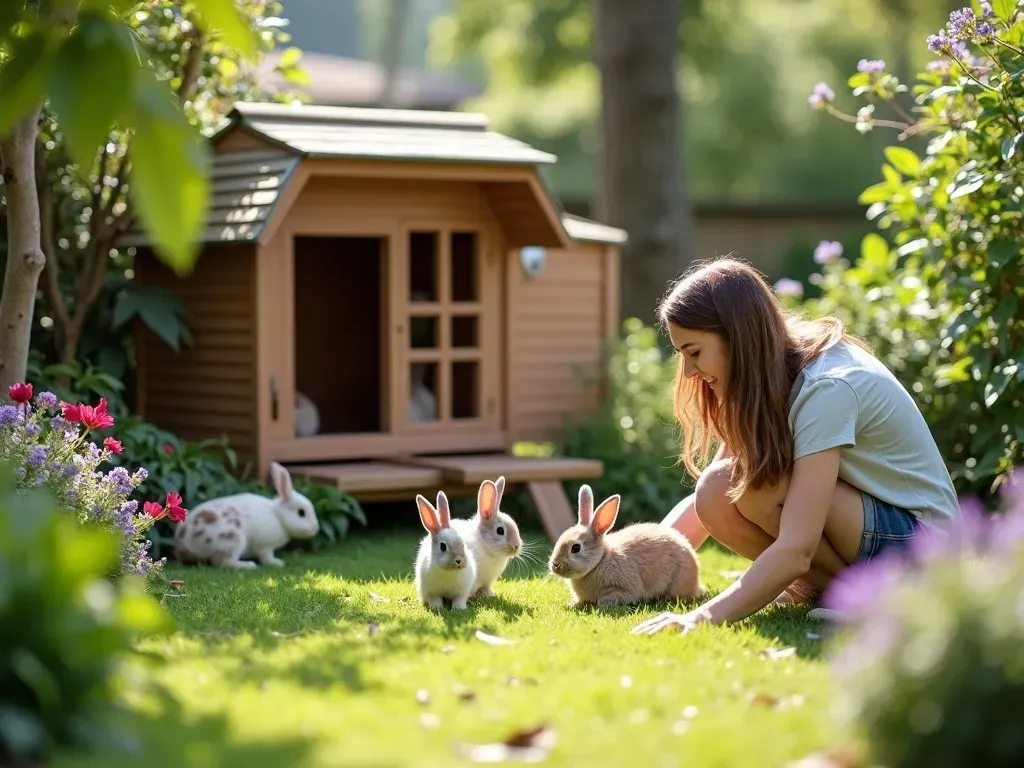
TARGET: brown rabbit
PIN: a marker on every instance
(642, 561)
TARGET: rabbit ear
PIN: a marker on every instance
(487, 500)
(428, 516)
(282, 481)
(586, 507)
(604, 515)
(443, 511)
(499, 486)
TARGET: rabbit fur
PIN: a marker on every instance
(224, 530)
(307, 416)
(445, 566)
(640, 562)
(492, 535)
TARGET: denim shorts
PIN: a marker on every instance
(886, 527)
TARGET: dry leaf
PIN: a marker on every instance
(176, 584)
(824, 614)
(527, 746)
(492, 639)
(448, 649)
(422, 697)
(379, 598)
(774, 702)
(813, 636)
(405, 599)
(466, 695)
(430, 721)
(778, 653)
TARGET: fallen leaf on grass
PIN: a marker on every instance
(531, 745)
(405, 599)
(824, 614)
(774, 702)
(813, 636)
(430, 721)
(492, 639)
(778, 653)
(176, 584)
(466, 695)
(448, 649)
(515, 681)
(379, 598)
(422, 697)
(372, 628)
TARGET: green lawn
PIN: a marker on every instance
(331, 661)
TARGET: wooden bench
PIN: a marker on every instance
(402, 477)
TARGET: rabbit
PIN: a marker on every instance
(224, 529)
(445, 566)
(641, 561)
(307, 417)
(492, 535)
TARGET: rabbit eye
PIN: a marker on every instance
(444, 547)
(302, 513)
(501, 530)
(575, 548)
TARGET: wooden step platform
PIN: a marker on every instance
(402, 477)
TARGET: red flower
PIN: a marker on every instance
(20, 393)
(174, 509)
(168, 449)
(112, 445)
(153, 509)
(92, 418)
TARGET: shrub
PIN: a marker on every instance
(930, 664)
(944, 284)
(64, 628)
(47, 444)
(634, 431)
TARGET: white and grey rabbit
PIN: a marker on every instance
(224, 530)
(307, 416)
(445, 566)
(492, 535)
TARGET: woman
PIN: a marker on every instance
(823, 457)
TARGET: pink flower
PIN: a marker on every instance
(789, 287)
(20, 393)
(153, 509)
(92, 417)
(112, 445)
(175, 511)
(827, 251)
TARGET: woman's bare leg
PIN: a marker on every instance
(751, 525)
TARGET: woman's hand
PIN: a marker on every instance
(682, 622)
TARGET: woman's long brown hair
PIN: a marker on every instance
(766, 348)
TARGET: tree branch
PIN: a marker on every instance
(193, 63)
(47, 216)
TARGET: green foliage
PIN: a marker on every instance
(77, 383)
(160, 310)
(335, 509)
(64, 628)
(634, 432)
(940, 295)
(930, 662)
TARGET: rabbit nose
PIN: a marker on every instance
(458, 561)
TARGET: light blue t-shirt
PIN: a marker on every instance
(849, 399)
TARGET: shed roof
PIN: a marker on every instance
(247, 184)
(383, 134)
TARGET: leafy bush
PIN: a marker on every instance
(47, 444)
(335, 509)
(64, 628)
(634, 432)
(930, 664)
(951, 265)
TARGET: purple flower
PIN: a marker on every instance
(46, 400)
(70, 469)
(31, 430)
(827, 251)
(821, 95)
(856, 590)
(19, 472)
(960, 23)
(119, 478)
(8, 415)
(871, 66)
(1012, 489)
(939, 43)
(789, 287)
(141, 474)
(59, 424)
(986, 9)
(36, 456)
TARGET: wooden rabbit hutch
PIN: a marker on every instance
(410, 274)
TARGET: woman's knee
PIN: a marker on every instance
(711, 499)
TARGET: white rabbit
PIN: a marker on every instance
(492, 535)
(307, 417)
(223, 530)
(445, 566)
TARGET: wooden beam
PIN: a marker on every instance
(556, 513)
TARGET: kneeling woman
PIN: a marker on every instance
(823, 458)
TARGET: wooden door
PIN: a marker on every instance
(446, 297)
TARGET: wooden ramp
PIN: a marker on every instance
(402, 477)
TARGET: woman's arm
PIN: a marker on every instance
(802, 524)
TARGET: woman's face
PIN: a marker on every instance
(704, 356)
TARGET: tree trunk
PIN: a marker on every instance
(391, 58)
(641, 164)
(25, 258)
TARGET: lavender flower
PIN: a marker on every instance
(59, 424)
(46, 400)
(939, 43)
(8, 415)
(821, 95)
(32, 430)
(789, 287)
(827, 251)
(36, 456)
(19, 473)
(121, 481)
(871, 66)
